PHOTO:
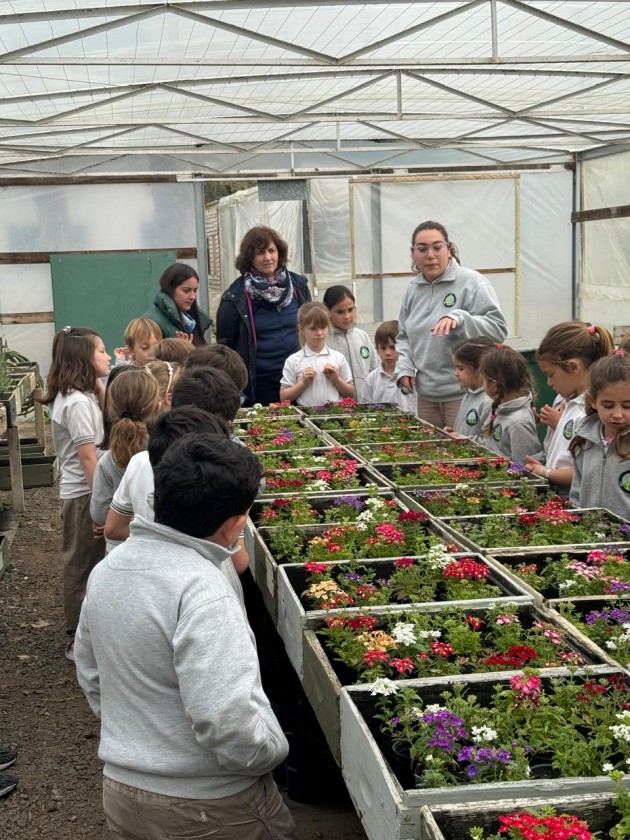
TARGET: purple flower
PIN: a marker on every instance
(395, 721)
(516, 468)
(447, 729)
(595, 616)
(618, 586)
(351, 501)
(353, 576)
(624, 528)
(477, 756)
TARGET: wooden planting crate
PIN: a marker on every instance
(365, 477)
(387, 811)
(357, 437)
(37, 471)
(386, 473)
(319, 503)
(323, 678)
(539, 557)
(295, 615)
(454, 525)
(419, 451)
(415, 499)
(266, 566)
(453, 822)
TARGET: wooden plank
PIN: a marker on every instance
(600, 213)
(40, 420)
(27, 318)
(34, 257)
(17, 483)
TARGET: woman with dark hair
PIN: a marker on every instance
(257, 315)
(175, 308)
(443, 304)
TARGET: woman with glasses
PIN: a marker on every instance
(444, 304)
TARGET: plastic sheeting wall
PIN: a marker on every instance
(520, 221)
(605, 286)
(242, 211)
(80, 217)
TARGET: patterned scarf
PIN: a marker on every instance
(276, 290)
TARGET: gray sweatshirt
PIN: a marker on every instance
(514, 430)
(601, 478)
(459, 293)
(474, 413)
(167, 660)
(356, 345)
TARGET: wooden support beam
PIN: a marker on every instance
(600, 214)
(32, 257)
(40, 420)
(27, 318)
(15, 463)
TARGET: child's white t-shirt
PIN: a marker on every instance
(380, 387)
(76, 420)
(134, 496)
(321, 389)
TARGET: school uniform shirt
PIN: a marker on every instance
(474, 413)
(380, 387)
(76, 419)
(601, 479)
(357, 348)
(514, 430)
(557, 455)
(321, 390)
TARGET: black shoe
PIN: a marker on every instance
(7, 784)
(7, 757)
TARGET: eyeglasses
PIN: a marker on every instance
(436, 247)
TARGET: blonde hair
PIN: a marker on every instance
(173, 350)
(133, 398)
(166, 374)
(313, 315)
(607, 371)
(141, 329)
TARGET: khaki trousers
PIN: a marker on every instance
(439, 413)
(81, 552)
(257, 813)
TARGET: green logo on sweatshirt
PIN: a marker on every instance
(472, 418)
(624, 482)
(365, 352)
(496, 432)
(450, 300)
(567, 432)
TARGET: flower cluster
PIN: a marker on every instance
(351, 407)
(496, 733)
(440, 643)
(262, 413)
(395, 428)
(341, 474)
(442, 472)
(471, 500)
(549, 524)
(300, 510)
(441, 450)
(598, 572)
(322, 458)
(532, 827)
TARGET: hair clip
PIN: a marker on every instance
(493, 417)
(619, 353)
(592, 329)
(500, 346)
(67, 330)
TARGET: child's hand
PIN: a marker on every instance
(98, 531)
(448, 429)
(331, 372)
(550, 416)
(123, 355)
(184, 336)
(535, 467)
(308, 375)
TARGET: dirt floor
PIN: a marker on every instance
(44, 715)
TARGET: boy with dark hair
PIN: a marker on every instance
(380, 384)
(222, 357)
(208, 388)
(167, 660)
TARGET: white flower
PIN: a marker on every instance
(375, 503)
(429, 634)
(365, 516)
(606, 768)
(433, 708)
(384, 686)
(611, 645)
(404, 633)
(481, 734)
(319, 484)
(565, 584)
(461, 487)
(428, 758)
(621, 732)
(438, 557)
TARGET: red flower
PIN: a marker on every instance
(466, 569)
(402, 665)
(404, 562)
(441, 649)
(316, 568)
(373, 656)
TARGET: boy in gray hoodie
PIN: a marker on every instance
(167, 660)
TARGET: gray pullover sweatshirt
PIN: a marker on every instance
(474, 413)
(514, 430)
(601, 478)
(459, 293)
(356, 345)
(167, 660)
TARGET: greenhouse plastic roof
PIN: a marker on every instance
(259, 88)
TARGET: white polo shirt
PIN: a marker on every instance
(321, 389)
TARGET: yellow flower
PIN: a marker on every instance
(377, 640)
